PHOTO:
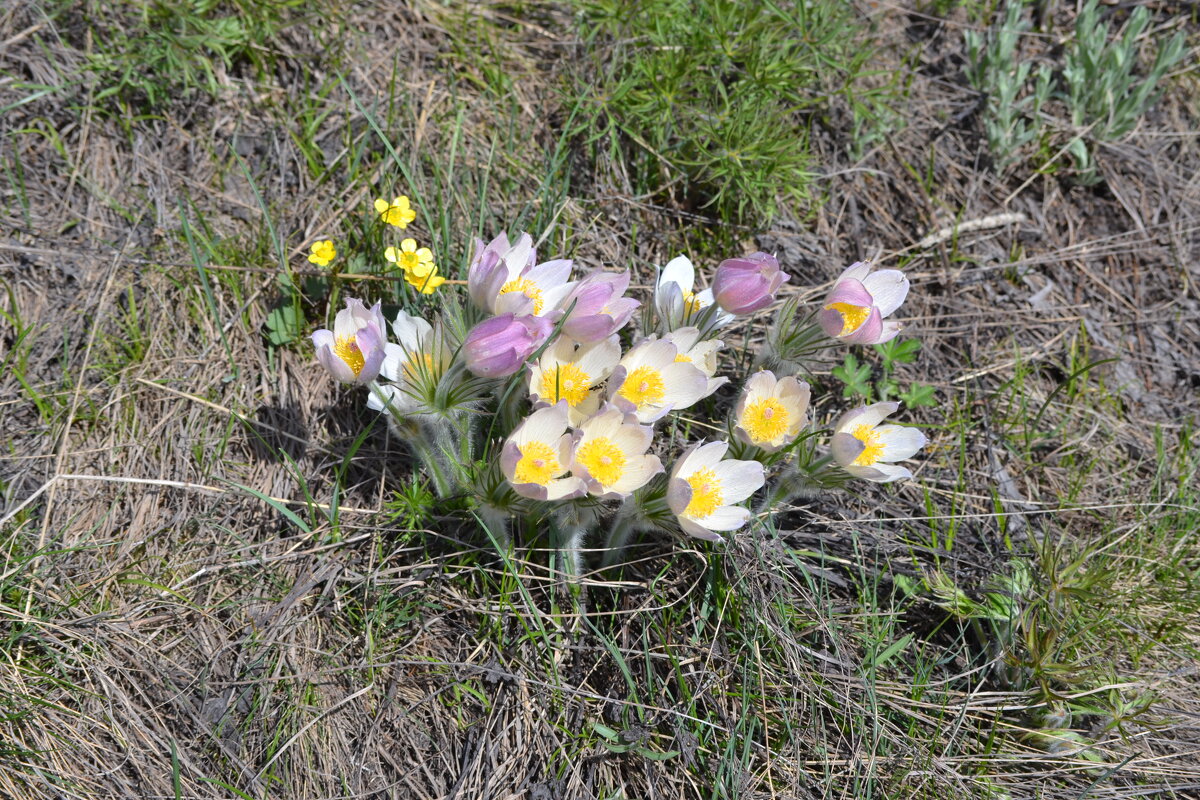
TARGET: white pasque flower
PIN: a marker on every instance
(570, 372)
(771, 411)
(866, 449)
(702, 490)
(701, 353)
(677, 301)
(413, 365)
(537, 455)
(651, 380)
(610, 454)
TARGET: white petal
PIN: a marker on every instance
(880, 473)
(856, 271)
(697, 530)
(888, 288)
(899, 442)
(726, 518)
(739, 479)
(411, 332)
(870, 416)
(637, 472)
(565, 487)
(679, 270)
(394, 360)
(599, 360)
(544, 425)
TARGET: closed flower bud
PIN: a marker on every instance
(498, 347)
(748, 284)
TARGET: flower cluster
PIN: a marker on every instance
(539, 398)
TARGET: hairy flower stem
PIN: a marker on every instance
(795, 483)
(427, 440)
(623, 526)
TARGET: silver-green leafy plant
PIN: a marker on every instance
(1010, 121)
(1104, 95)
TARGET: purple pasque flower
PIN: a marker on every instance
(748, 284)
(600, 309)
(354, 350)
(505, 279)
(498, 347)
(855, 309)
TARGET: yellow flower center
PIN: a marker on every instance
(872, 445)
(682, 357)
(643, 386)
(706, 493)
(565, 382)
(603, 460)
(538, 464)
(418, 365)
(527, 288)
(852, 316)
(346, 348)
(691, 304)
(408, 261)
(765, 420)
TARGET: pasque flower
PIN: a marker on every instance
(651, 380)
(498, 347)
(398, 212)
(703, 489)
(771, 411)
(322, 253)
(413, 365)
(610, 454)
(866, 449)
(748, 284)
(354, 350)
(569, 373)
(537, 455)
(855, 309)
(675, 299)
(504, 279)
(597, 306)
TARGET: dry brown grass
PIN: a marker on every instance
(166, 634)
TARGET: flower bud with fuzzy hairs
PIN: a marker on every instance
(498, 347)
(748, 284)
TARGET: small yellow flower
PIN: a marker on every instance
(410, 258)
(323, 253)
(425, 278)
(395, 213)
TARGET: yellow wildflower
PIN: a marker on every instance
(323, 253)
(396, 213)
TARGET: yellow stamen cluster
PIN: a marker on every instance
(853, 316)
(682, 357)
(765, 420)
(692, 304)
(527, 288)
(346, 348)
(538, 464)
(706, 493)
(872, 445)
(565, 382)
(643, 386)
(603, 460)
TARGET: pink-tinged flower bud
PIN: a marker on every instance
(748, 284)
(599, 309)
(855, 308)
(498, 347)
(354, 350)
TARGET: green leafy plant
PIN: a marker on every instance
(857, 377)
(1010, 121)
